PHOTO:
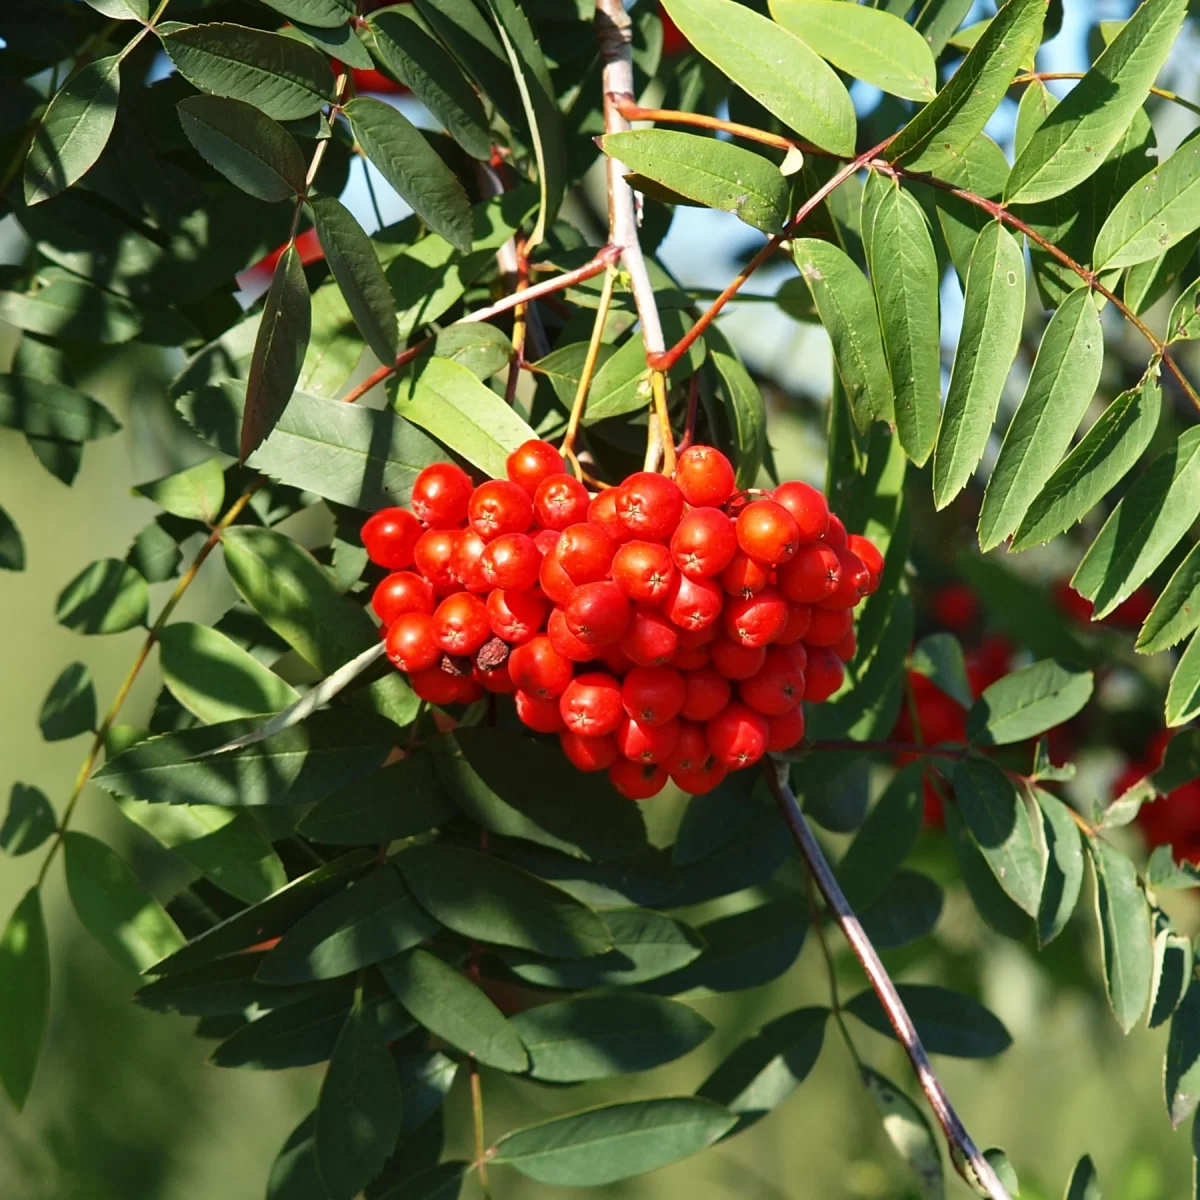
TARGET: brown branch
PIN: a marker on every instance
(964, 1154)
(1162, 93)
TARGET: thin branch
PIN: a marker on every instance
(589, 367)
(520, 327)
(964, 1154)
(1162, 93)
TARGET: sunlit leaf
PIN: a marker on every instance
(106, 597)
(908, 1129)
(1027, 702)
(195, 493)
(1125, 935)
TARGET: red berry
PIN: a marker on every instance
(955, 606)
(515, 616)
(799, 655)
(499, 506)
(846, 647)
(537, 712)
(704, 543)
(823, 675)
(701, 780)
(644, 742)
(853, 583)
(440, 494)
(441, 688)
(868, 553)
(494, 679)
(553, 580)
(637, 780)
(745, 575)
(602, 511)
(531, 462)
(644, 571)
(691, 749)
(732, 660)
(705, 476)
(390, 535)
(460, 624)
(411, 645)
(737, 736)
(511, 561)
(649, 505)
(560, 500)
(835, 533)
(693, 603)
(755, 620)
(564, 641)
(653, 695)
(785, 730)
(598, 613)
(401, 592)
(807, 506)
(777, 687)
(707, 692)
(813, 574)
(591, 704)
(433, 556)
(829, 626)
(536, 667)
(768, 532)
(466, 561)
(585, 552)
(691, 660)
(651, 639)
(546, 540)
(616, 660)
(589, 753)
(799, 619)
(689, 639)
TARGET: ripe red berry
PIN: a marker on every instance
(531, 462)
(637, 780)
(705, 476)
(460, 623)
(651, 639)
(553, 580)
(835, 533)
(511, 561)
(440, 494)
(616, 660)
(644, 571)
(494, 679)
(389, 536)
(813, 574)
(411, 645)
(499, 506)
(690, 660)
(737, 736)
(602, 511)
(564, 641)
(785, 730)
(598, 613)
(585, 552)
(589, 753)
(846, 647)
(799, 619)
(829, 626)
(536, 667)
(693, 603)
(644, 742)
(546, 540)
(441, 688)
(777, 687)
(691, 750)
(704, 543)
(591, 704)
(854, 582)
(515, 616)
(868, 553)
(768, 532)
(538, 712)
(401, 592)
(707, 692)
(755, 620)
(560, 500)
(807, 506)
(466, 561)
(702, 779)
(433, 555)
(653, 695)
(649, 505)
(823, 675)
(745, 575)
(732, 660)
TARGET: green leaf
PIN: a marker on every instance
(999, 821)
(419, 61)
(846, 306)
(441, 1182)
(867, 43)
(452, 1008)
(980, 168)
(1125, 936)
(957, 114)
(1176, 612)
(595, 1037)
(298, 766)
(1084, 1183)
(1184, 322)
(29, 821)
(712, 820)
(1183, 695)
(749, 416)
(279, 350)
(444, 398)
(948, 1022)
(355, 265)
(767, 1068)
(1182, 1070)
(885, 839)
(483, 349)
(325, 14)
(521, 796)
(251, 150)
(993, 312)
(482, 897)
(360, 1108)
(195, 493)
(1064, 867)
(904, 275)
(48, 410)
(24, 995)
(106, 597)
(154, 553)
(908, 1129)
(1027, 702)
(279, 75)
(408, 162)
(70, 706)
(647, 945)
(1100, 460)
(939, 657)
(613, 1141)
(716, 174)
(73, 309)
(114, 908)
(122, 10)
(12, 548)
(1148, 282)
(779, 70)
(371, 920)
(1061, 385)
(1172, 976)
(1143, 528)
(986, 894)
(286, 586)
(74, 129)
(1076, 137)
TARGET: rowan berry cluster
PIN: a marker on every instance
(662, 628)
